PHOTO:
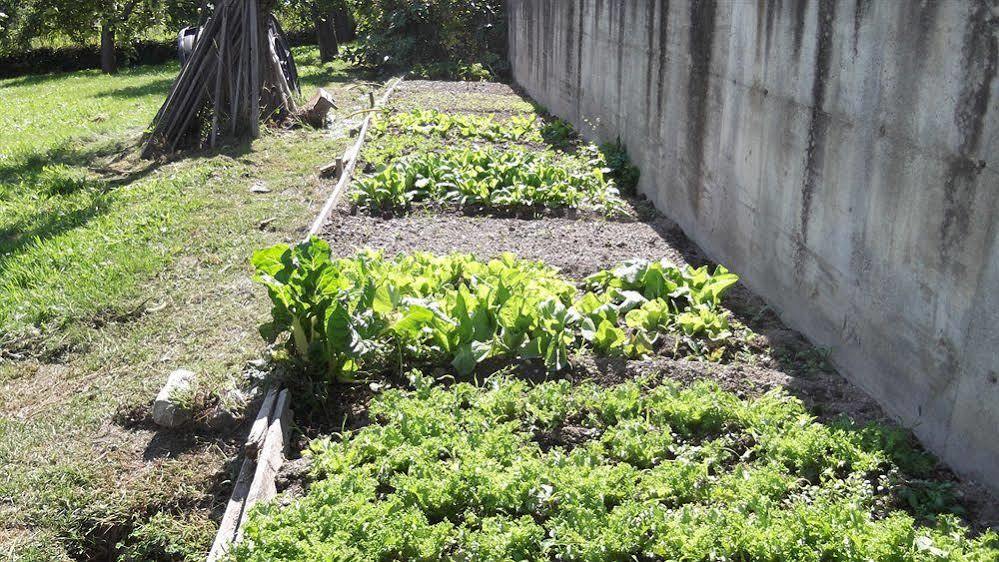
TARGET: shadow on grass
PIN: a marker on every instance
(156, 87)
(30, 173)
(42, 226)
(326, 74)
(39, 79)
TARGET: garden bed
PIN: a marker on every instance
(591, 462)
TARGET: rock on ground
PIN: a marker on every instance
(169, 409)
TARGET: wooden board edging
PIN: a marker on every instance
(349, 159)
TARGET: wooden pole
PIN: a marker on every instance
(254, 62)
(221, 49)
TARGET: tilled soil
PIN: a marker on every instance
(577, 247)
(456, 87)
(780, 359)
(467, 97)
(580, 247)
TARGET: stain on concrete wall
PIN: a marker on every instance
(840, 155)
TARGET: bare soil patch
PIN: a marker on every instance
(575, 246)
(466, 97)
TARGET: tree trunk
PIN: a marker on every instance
(109, 59)
(344, 25)
(326, 34)
(351, 25)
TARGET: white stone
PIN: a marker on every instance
(168, 408)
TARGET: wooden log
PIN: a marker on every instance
(260, 424)
(234, 512)
(315, 110)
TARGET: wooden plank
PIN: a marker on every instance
(260, 424)
(349, 163)
(271, 456)
(256, 479)
(234, 512)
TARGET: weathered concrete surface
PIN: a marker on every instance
(841, 156)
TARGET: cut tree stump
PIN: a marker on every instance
(314, 112)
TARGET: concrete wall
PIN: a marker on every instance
(841, 156)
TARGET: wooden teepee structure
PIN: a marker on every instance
(238, 72)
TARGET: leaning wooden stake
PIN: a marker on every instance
(347, 163)
(233, 71)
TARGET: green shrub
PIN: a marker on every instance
(459, 473)
(558, 133)
(403, 33)
(621, 169)
(366, 313)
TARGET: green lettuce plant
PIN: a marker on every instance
(490, 178)
(368, 313)
(654, 471)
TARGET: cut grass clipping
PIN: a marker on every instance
(367, 314)
(634, 472)
(489, 178)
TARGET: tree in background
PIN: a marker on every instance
(331, 20)
(80, 20)
(409, 32)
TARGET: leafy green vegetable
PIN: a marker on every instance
(485, 127)
(366, 313)
(485, 178)
(657, 296)
(654, 472)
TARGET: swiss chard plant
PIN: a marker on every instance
(368, 313)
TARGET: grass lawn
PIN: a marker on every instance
(113, 272)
